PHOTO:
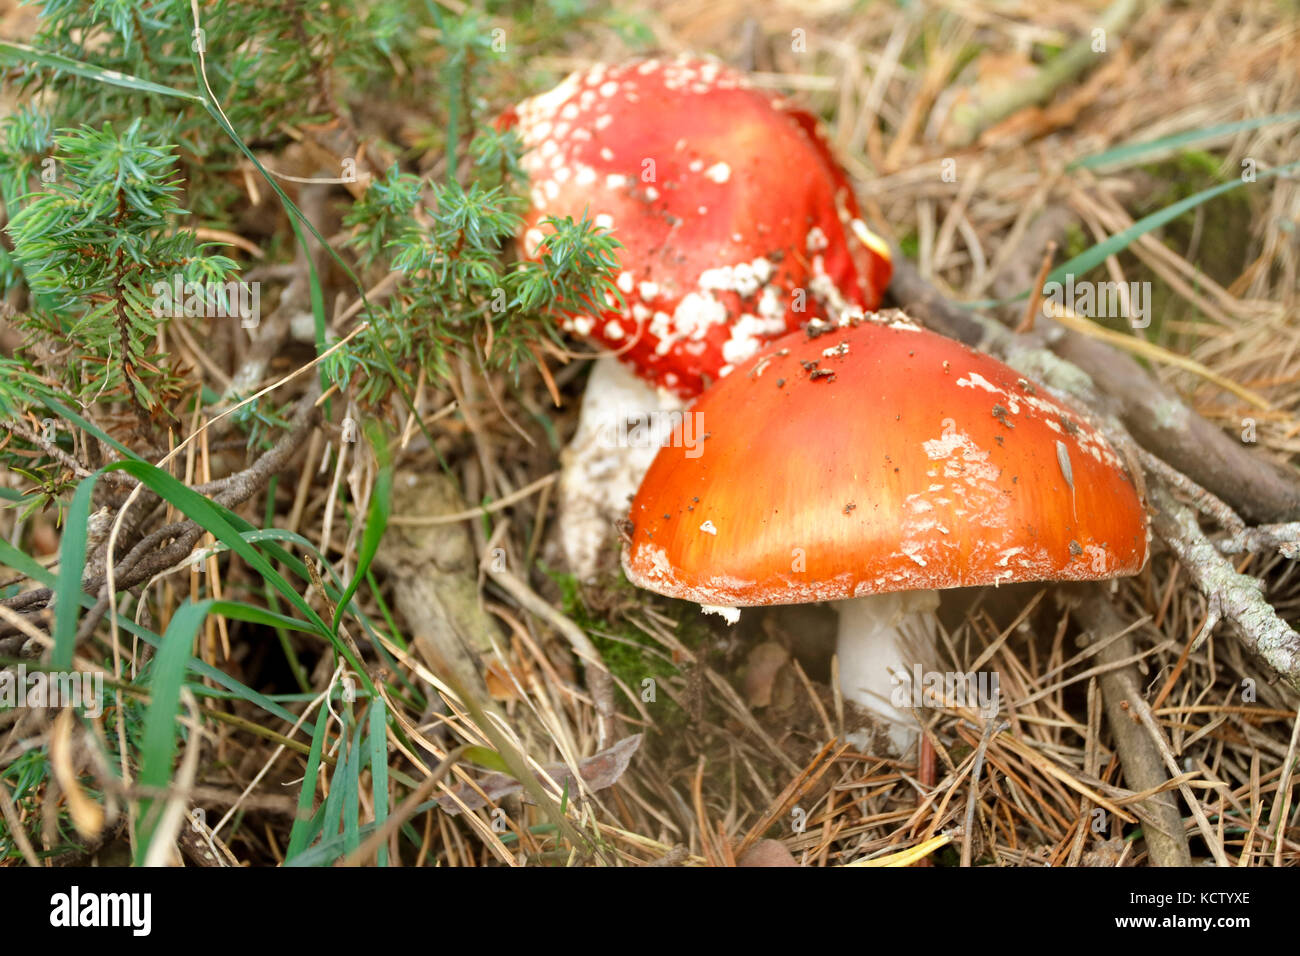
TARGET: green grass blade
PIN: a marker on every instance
(352, 792)
(379, 768)
(260, 615)
(20, 54)
(331, 848)
(1096, 255)
(1127, 153)
(333, 809)
(376, 519)
(158, 749)
(72, 561)
(1091, 258)
(305, 826)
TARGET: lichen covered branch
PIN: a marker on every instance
(1237, 597)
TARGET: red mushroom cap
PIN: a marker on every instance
(879, 457)
(736, 222)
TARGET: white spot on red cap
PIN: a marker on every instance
(976, 380)
(692, 319)
(718, 172)
(747, 334)
(769, 305)
(744, 278)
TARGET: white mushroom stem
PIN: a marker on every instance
(882, 640)
(621, 426)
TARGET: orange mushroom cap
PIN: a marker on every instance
(736, 222)
(847, 461)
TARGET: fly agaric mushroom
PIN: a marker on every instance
(872, 463)
(736, 224)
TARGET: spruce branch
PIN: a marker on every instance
(94, 246)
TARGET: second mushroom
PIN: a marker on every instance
(737, 226)
(872, 464)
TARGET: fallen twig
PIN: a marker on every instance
(1236, 597)
(1059, 71)
(1284, 538)
(1162, 824)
